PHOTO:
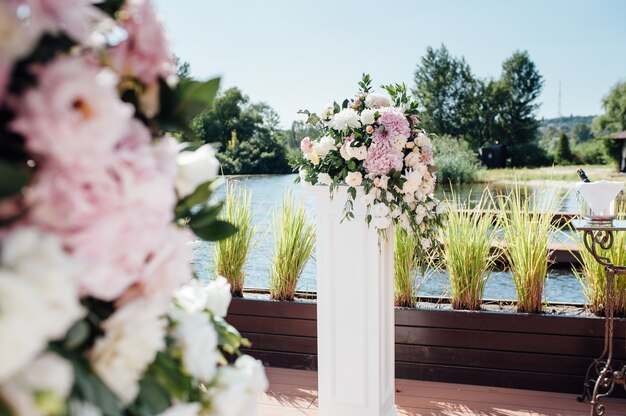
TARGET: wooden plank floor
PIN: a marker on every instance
(294, 392)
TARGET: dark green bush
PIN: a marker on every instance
(455, 160)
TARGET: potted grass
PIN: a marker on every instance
(405, 264)
(294, 238)
(230, 254)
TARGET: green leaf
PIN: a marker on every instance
(206, 216)
(12, 179)
(77, 335)
(218, 230)
(153, 396)
(195, 97)
(90, 388)
(228, 337)
(345, 103)
(199, 196)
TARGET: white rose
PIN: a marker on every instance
(368, 198)
(409, 198)
(343, 151)
(192, 297)
(380, 210)
(347, 117)
(323, 146)
(423, 140)
(197, 337)
(358, 152)
(420, 213)
(382, 183)
(412, 160)
(354, 178)
(132, 337)
(314, 158)
(399, 142)
(183, 409)
(368, 116)
(324, 179)
(238, 387)
(195, 168)
(396, 212)
(377, 100)
(380, 222)
(218, 296)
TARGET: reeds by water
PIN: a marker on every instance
(405, 265)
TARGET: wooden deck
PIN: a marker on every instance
(294, 392)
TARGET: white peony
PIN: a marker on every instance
(413, 182)
(377, 100)
(132, 337)
(192, 297)
(324, 178)
(368, 116)
(195, 168)
(323, 146)
(183, 409)
(354, 178)
(238, 388)
(347, 117)
(381, 222)
(218, 296)
(196, 336)
(357, 152)
(343, 151)
(380, 210)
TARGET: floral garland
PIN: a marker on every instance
(374, 145)
(98, 206)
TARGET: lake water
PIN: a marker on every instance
(267, 192)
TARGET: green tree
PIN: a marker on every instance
(563, 154)
(612, 121)
(520, 85)
(444, 86)
(581, 133)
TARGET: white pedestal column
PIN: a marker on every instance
(355, 315)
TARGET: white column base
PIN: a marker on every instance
(355, 314)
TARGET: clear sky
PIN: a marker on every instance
(295, 54)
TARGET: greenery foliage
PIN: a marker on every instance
(564, 155)
(230, 254)
(456, 162)
(405, 264)
(294, 239)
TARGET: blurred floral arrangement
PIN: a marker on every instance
(99, 310)
(374, 145)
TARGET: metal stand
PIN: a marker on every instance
(601, 378)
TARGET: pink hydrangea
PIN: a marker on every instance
(77, 18)
(74, 116)
(5, 73)
(393, 125)
(382, 158)
(145, 54)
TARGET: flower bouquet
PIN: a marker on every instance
(98, 206)
(373, 144)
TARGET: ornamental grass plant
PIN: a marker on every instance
(467, 239)
(405, 264)
(294, 239)
(526, 224)
(230, 255)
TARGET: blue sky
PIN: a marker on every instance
(297, 54)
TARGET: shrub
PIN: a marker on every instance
(564, 155)
(294, 239)
(230, 255)
(455, 160)
(467, 255)
(592, 152)
(405, 264)
(527, 233)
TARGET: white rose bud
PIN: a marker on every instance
(368, 116)
(195, 168)
(354, 178)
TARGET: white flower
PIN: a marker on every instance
(381, 222)
(49, 377)
(430, 205)
(302, 174)
(426, 243)
(324, 178)
(218, 296)
(408, 198)
(183, 409)
(399, 142)
(368, 198)
(413, 160)
(132, 337)
(413, 182)
(382, 182)
(195, 168)
(440, 208)
(380, 210)
(192, 297)
(354, 178)
(396, 212)
(323, 146)
(404, 222)
(358, 152)
(238, 388)
(377, 100)
(313, 157)
(78, 408)
(347, 117)
(197, 337)
(327, 112)
(16, 38)
(368, 116)
(420, 213)
(423, 140)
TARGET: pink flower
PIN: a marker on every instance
(145, 54)
(393, 125)
(305, 145)
(426, 153)
(414, 120)
(74, 116)
(77, 18)
(382, 158)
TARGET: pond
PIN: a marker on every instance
(267, 192)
